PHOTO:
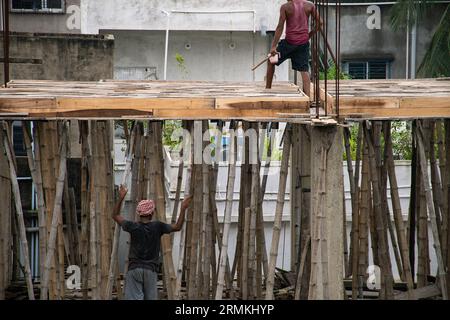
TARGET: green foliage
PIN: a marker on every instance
(331, 74)
(169, 127)
(401, 140)
(405, 13)
(436, 62)
(181, 64)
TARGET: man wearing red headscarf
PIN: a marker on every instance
(145, 245)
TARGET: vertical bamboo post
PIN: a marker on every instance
(278, 214)
(397, 210)
(364, 212)
(412, 212)
(115, 247)
(385, 265)
(354, 247)
(305, 203)
(422, 226)
(187, 149)
(446, 189)
(19, 212)
(327, 227)
(85, 206)
(434, 228)
(56, 216)
(245, 247)
(223, 260)
(5, 221)
(35, 169)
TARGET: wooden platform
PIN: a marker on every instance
(150, 99)
(390, 99)
(368, 99)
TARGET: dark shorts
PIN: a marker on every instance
(299, 55)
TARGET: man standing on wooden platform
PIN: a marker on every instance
(295, 46)
(145, 245)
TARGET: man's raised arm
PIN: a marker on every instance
(116, 212)
(184, 206)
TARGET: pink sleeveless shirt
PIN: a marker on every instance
(297, 29)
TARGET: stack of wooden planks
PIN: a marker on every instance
(148, 99)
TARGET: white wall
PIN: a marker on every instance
(211, 56)
(147, 15)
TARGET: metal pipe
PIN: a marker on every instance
(166, 50)
(6, 41)
(413, 49)
(407, 47)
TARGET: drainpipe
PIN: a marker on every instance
(166, 50)
(407, 47)
(5, 41)
(413, 49)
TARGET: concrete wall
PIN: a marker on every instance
(59, 57)
(359, 42)
(208, 55)
(148, 15)
(68, 21)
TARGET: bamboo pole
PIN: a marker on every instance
(364, 212)
(35, 169)
(397, 210)
(278, 214)
(354, 235)
(19, 212)
(205, 231)
(183, 233)
(443, 183)
(245, 247)
(436, 186)
(301, 268)
(386, 278)
(223, 260)
(56, 216)
(446, 189)
(93, 252)
(412, 212)
(115, 247)
(434, 228)
(5, 222)
(305, 219)
(85, 204)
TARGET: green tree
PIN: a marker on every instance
(436, 62)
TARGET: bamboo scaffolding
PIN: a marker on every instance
(223, 259)
(278, 214)
(397, 210)
(426, 183)
(245, 247)
(183, 234)
(354, 235)
(385, 265)
(115, 246)
(35, 168)
(364, 212)
(19, 212)
(5, 221)
(85, 206)
(169, 272)
(56, 216)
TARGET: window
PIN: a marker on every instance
(370, 69)
(46, 6)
